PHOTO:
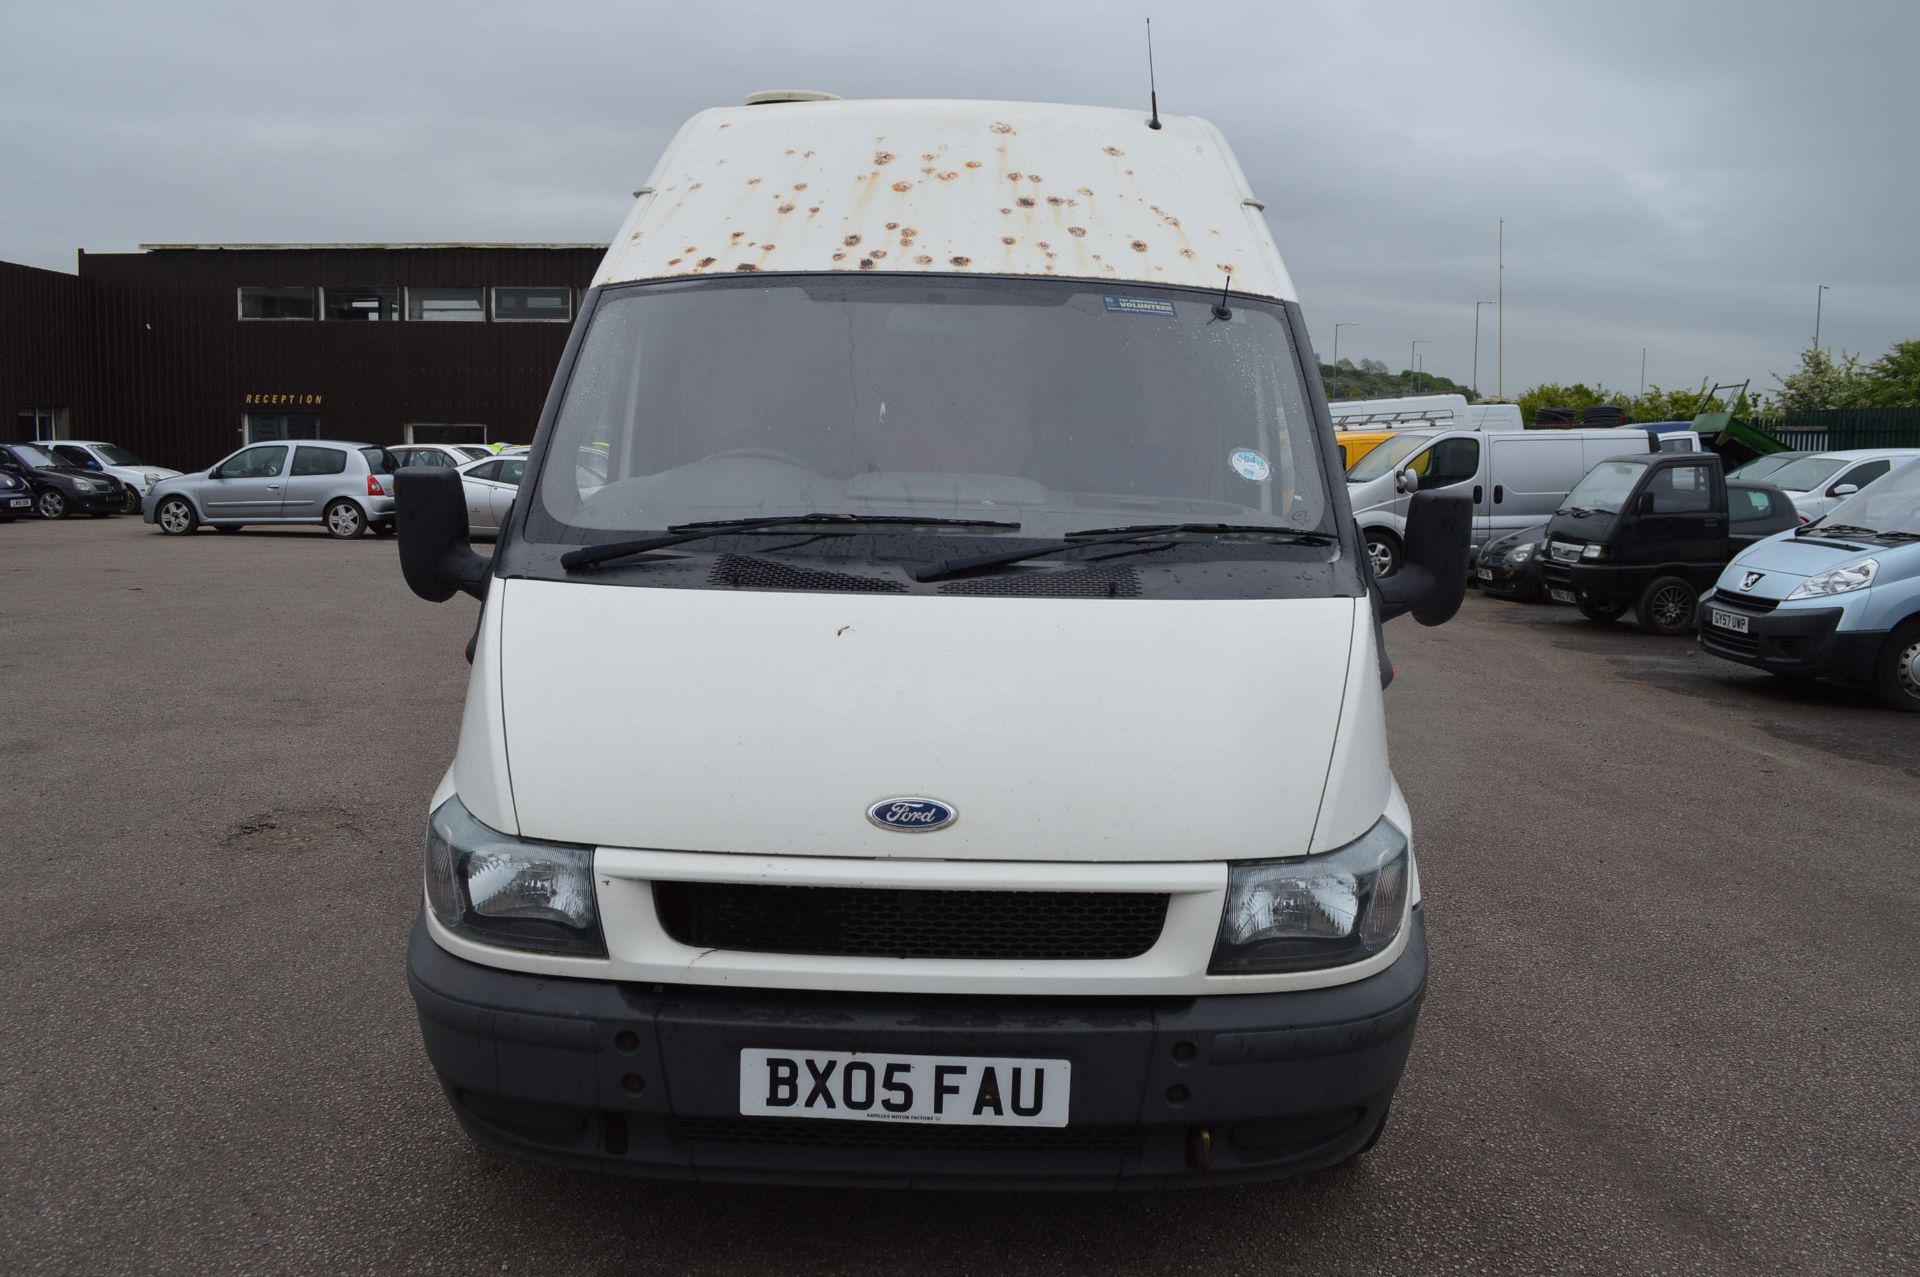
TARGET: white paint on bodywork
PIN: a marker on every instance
(767, 722)
(480, 767)
(943, 187)
(1358, 777)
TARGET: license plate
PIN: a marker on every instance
(1564, 596)
(19, 503)
(1485, 574)
(954, 1090)
(1728, 620)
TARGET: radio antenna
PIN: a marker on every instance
(1220, 310)
(1153, 90)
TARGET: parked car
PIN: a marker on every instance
(1837, 599)
(59, 488)
(1509, 566)
(16, 498)
(110, 458)
(1515, 478)
(1821, 481)
(1763, 467)
(1651, 533)
(491, 486)
(437, 454)
(346, 488)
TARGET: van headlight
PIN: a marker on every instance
(514, 892)
(1520, 553)
(1840, 580)
(1314, 911)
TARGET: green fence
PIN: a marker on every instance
(1844, 428)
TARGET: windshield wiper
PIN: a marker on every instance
(681, 533)
(1108, 536)
(1852, 531)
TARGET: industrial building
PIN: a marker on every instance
(184, 352)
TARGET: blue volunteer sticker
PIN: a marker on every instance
(1138, 306)
(1250, 465)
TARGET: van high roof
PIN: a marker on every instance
(939, 187)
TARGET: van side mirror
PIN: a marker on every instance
(430, 519)
(1843, 489)
(1406, 481)
(1432, 579)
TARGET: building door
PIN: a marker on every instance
(270, 427)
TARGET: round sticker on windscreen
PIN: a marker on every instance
(1249, 464)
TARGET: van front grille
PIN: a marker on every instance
(1070, 583)
(743, 572)
(1059, 926)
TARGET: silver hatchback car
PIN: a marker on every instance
(346, 488)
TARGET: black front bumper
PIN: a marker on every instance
(1800, 641)
(644, 1079)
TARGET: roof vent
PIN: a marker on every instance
(766, 96)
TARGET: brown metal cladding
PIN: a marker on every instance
(164, 365)
(44, 341)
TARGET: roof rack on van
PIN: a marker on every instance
(766, 97)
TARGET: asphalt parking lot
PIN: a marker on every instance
(1673, 1025)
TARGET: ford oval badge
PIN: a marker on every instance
(912, 815)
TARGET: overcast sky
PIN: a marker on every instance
(1677, 175)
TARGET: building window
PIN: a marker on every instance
(440, 432)
(42, 423)
(375, 304)
(266, 427)
(458, 305)
(276, 303)
(533, 305)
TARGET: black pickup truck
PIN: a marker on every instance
(1651, 532)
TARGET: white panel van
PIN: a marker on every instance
(926, 722)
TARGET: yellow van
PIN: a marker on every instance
(1355, 444)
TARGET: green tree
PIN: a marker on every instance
(1658, 404)
(1823, 383)
(1371, 380)
(1893, 380)
(1576, 397)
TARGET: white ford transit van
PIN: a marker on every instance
(925, 725)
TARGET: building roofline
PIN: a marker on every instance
(290, 248)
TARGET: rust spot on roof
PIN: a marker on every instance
(851, 240)
(883, 157)
(963, 261)
(691, 248)
(877, 254)
(739, 235)
(893, 226)
(999, 127)
(903, 187)
(1041, 243)
(1086, 190)
(673, 261)
(1139, 246)
(928, 157)
(1056, 201)
(768, 248)
(695, 186)
(866, 263)
(1033, 177)
(1006, 210)
(789, 150)
(973, 163)
(1078, 232)
(1008, 239)
(704, 262)
(839, 257)
(923, 260)
(1187, 253)
(813, 210)
(1224, 266)
(746, 266)
(753, 181)
(947, 176)
(799, 186)
(806, 155)
(1025, 201)
(786, 208)
(1114, 150)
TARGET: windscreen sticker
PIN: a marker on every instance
(1139, 306)
(1250, 465)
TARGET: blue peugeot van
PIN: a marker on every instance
(1838, 598)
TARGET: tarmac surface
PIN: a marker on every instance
(1673, 1026)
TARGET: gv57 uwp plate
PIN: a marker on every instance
(953, 1090)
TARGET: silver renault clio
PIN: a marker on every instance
(346, 488)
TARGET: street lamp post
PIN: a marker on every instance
(1817, 299)
(1351, 323)
(1476, 345)
(1413, 355)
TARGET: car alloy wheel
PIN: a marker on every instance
(174, 516)
(52, 505)
(132, 503)
(345, 521)
(1672, 607)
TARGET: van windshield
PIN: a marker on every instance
(1605, 488)
(1388, 456)
(1889, 505)
(1052, 404)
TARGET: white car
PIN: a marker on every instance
(111, 458)
(1819, 482)
(439, 454)
(491, 485)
